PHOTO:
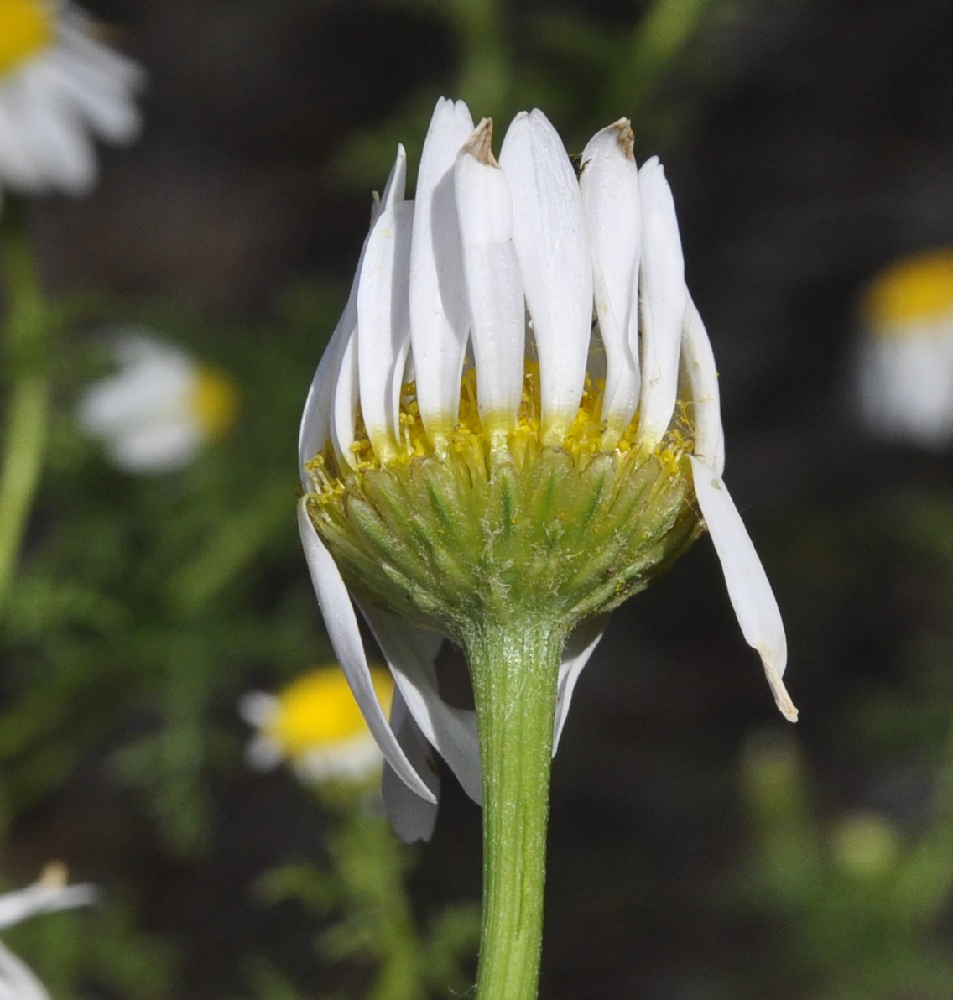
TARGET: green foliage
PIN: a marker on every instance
(363, 891)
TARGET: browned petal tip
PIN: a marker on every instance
(625, 137)
(480, 143)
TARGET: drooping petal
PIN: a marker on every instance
(494, 287)
(699, 361)
(609, 183)
(663, 303)
(341, 623)
(383, 319)
(576, 653)
(411, 816)
(748, 588)
(549, 231)
(439, 318)
(410, 653)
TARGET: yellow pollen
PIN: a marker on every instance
(318, 711)
(473, 436)
(915, 288)
(26, 27)
(214, 400)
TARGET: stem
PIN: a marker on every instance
(515, 670)
(28, 410)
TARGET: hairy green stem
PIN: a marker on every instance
(24, 331)
(515, 669)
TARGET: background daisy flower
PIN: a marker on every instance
(316, 726)
(905, 359)
(59, 88)
(161, 406)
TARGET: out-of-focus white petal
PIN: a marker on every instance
(576, 653)
(699, 361)
(341, 623)
(383, 320)
(748, 588)
(663, 303)
(44, 897)
(17, 982)
(412, 817)
(258, 708)
(549, 231)
(439, 318)
(63, 149)
(17, 161)
(155, 448)
(609, 183)
(152, 379)
(410, 653)
(494, 287)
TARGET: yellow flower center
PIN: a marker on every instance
(470, 439)
(916, 288)
(318, 711)
(214, 401)
(26, 27)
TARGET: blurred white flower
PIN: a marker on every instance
(47, 895)
(905, 358)
(59, 87)
(161, 406)
(316, 725)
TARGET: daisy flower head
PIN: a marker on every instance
(59, 88)
(316, 726)
(50, 893)
(905, 356)
(515, 426)
(159, 408)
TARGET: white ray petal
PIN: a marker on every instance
(748, 588)
(663, 303)
(341, 623)
(699, 361)
(315, 429)
(439, 318)
(494, 287)
(411, 816)
(410, 653)
(344, 406)
(609, 183)
(576, 653)
(331, 406)
(549, 231)
(383, 322)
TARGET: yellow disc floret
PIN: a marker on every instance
(918, 288)
(585, 438)
(26, 27)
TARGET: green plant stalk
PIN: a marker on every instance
(28, 411)
(515, 670)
